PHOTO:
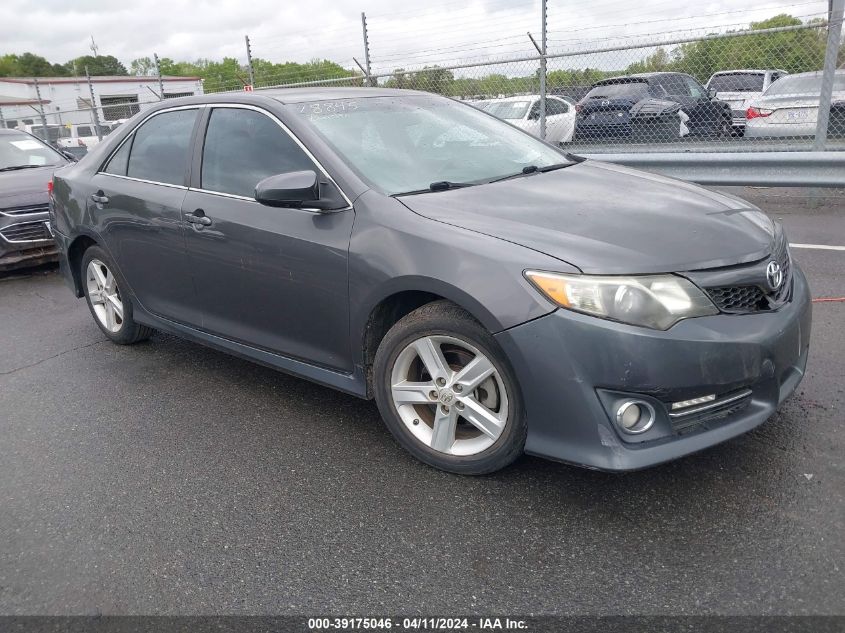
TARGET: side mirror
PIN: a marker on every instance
(711, 92)
(300, 190)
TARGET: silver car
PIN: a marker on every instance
(738, 87)
(790, 107)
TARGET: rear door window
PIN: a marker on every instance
(161, 148)
(739, 82)
(634, 90)
(556, 106)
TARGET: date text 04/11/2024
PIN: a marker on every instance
(418, 624)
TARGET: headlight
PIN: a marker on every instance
(655, 301)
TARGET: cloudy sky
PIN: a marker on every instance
(402, 34)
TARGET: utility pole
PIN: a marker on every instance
(249, 62)
(541, 49)
(367, 71)
(46, 137)
(95, 115)
(834, 35)
(160, 82)
(543, 71)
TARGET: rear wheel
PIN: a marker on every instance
(447, 393)
(111, 309)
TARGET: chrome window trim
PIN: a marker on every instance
(294, 138)
(132, 134)
(149, 182)
(8, 226)
(239, 106)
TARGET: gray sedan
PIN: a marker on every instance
(494, 294)
(790, 107)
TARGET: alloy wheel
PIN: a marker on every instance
(104, 295)
(449, 395)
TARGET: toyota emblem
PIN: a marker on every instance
(774, 275)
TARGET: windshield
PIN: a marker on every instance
(625, 90)
(508, 109)
(19, 149)
(54, 132)
(804, 84)
(737, 82)
(403, 144)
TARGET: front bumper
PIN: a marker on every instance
(25, 240)
(569, 365)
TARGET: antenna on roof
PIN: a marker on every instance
(93, 46)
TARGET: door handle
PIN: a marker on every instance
(100, 197)
(198, 217)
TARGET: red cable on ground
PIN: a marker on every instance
(829, 299)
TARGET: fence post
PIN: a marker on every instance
(95, 115)
(46, 136)
(160, 82)
(249, 62)
(366, 49)
(834, 34)
(2, 120)
(543, 71)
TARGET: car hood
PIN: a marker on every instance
(608, 219)
(25, 187)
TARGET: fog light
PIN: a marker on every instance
(635, 416)
(683, 404)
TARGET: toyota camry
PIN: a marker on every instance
(494, 294)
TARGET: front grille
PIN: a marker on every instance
(26, 232)
(738, 298)
(742, 299)
(27, 210)
(726, 406)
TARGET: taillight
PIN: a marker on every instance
(754, 113)
(50, 187)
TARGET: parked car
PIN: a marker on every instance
(52, 134)
(493, 293)
(651, 107)
(737, 87)
(790, 107)
(83, 135)
(524, 113)
(26, 166)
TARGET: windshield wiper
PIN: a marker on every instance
(533, 169)
(15, 167)
(440, 185)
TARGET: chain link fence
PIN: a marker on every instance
(776, 85)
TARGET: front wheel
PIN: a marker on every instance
(111, 309)
(447, 393)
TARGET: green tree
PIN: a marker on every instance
(29, 65)
(98, 65)
(142, 67)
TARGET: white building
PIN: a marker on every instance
(68, 99)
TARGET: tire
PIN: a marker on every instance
(465, 423)
(103, 296)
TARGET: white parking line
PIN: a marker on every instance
(821, 247)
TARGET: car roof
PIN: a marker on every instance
(298, 95)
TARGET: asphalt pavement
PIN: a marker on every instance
(167, 478)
